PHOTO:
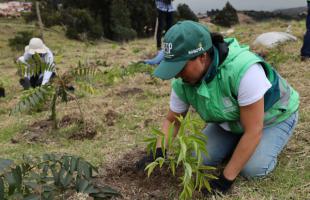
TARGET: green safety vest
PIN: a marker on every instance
(216, 101)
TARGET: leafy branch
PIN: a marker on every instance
(49, 177)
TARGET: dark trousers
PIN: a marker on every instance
(305, 50)
(166, 17)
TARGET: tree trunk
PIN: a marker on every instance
(39, 19)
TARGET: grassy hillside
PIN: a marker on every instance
(124, 110)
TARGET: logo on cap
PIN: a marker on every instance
(167, 50)
(200, 48)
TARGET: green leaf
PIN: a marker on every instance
(67, 180)
(33, 185)
(73, 164)
(91, 189)
(87, 170)
(33, 197)
(17, 172)
(82, 184)
(55, 175)
(158, 132)
(205, 167)
(110, 191)
(5, 164)
(62, 176)
(2, 189)
(187, 173)
(172, 167)
(47, 195)
(210, 176)
(150, 140)
(161, 161)
(170, 135)
(183, 147)
(150, 168)
(207, 185)
(66, 162)
(11, 181)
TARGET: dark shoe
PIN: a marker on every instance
(305, 58)
(2, 92)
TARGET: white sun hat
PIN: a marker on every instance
(36, 45)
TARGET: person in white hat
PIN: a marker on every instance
(36, 46)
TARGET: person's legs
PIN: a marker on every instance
(220, 144)
(305, 50)
(169, 20)
(274, 138)
(160, 17)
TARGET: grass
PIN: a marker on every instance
(135, 113)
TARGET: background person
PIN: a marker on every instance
(36, 46)
(250, 109)
(165, 11)
(305, 50)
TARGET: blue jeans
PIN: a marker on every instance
(221, 145)
(305, 49)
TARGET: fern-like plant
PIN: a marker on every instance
(49, 177)
(183, 151)
(58, 87)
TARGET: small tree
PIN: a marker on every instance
(185, 13)
(120, 21)
(81, 25)
(49, 177)
(184, 151)
(20, 40)
(226, 17)
(59, 86)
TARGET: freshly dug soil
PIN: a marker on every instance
(133, 184)
(39, 131)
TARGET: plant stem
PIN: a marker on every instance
(53, 108)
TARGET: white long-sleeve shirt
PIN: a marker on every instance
(47, 58)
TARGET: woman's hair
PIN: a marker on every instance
(216, 38)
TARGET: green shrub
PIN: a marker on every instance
(185, 13)
(20, 40)
(80, 24)
(49, 177)
(226, 17)
(120, 21)
(143, 16)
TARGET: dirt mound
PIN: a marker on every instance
(87, 132)
(133, 184)
(36, 132)
(40, 131)
(129, 92)
(111, 117)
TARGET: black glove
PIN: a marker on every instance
(143, 162)
(25, 82)
(221, 185)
